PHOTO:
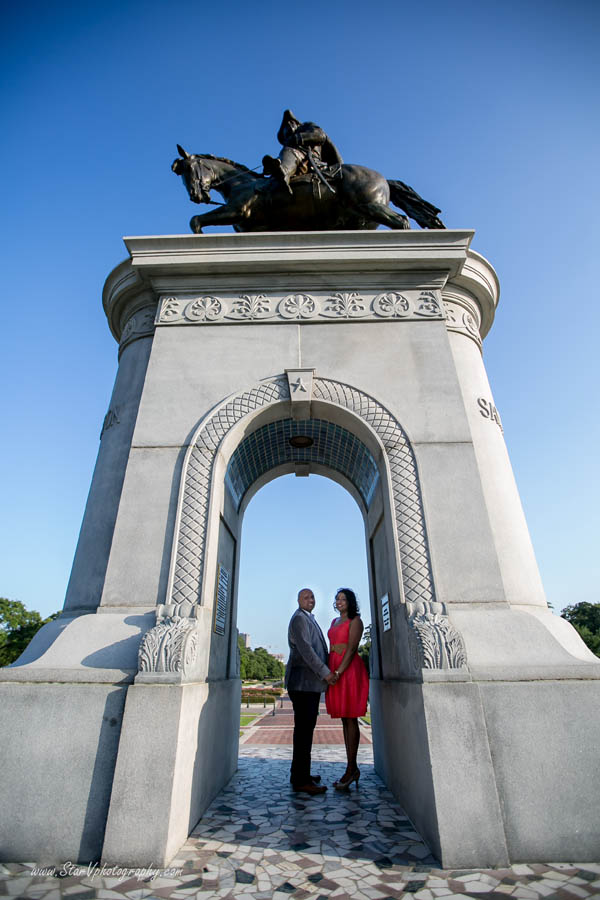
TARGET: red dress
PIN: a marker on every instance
(347, 698)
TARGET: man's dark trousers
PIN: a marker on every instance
(306, 710)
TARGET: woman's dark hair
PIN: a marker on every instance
(353, 608)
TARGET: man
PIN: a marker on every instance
(306, 677)
(306, 148)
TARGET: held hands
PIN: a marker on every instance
(332, 678)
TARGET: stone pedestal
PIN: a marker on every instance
(369, 344)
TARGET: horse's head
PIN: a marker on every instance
(197, 176)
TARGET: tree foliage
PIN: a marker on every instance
(259, 664)
(585, 618)
(364, 650)
(18, 625)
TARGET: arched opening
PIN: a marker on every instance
(247, 440)
(297, 532)
(317, 447)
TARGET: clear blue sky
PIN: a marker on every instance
(489, 109)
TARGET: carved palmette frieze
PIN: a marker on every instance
(302, 306)
(463, 317)
(250, 307)
(189, 551)
(171, 646)
(140, 324)
(433, 641)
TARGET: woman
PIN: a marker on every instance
(346, 699)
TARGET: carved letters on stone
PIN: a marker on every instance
(111, 418)
(434, 642)
(170, 646)
(300, 306)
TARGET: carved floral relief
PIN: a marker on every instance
(300, 306)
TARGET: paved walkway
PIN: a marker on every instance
(276, 726)
(260, 840)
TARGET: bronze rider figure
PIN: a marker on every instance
(305, 149)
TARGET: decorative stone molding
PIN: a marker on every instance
(462, 316)
(171, 646)
(141, 324)
(417, 578)
(300, 306)
(300, 384)
(434, 642)
(188, 563)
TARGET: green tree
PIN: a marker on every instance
(258, 664)
(364, 650)
(18, 625)
(585, 618)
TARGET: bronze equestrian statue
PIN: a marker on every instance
(306, 148)
(307, 188)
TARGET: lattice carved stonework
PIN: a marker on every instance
(408, 507)
(197, 475)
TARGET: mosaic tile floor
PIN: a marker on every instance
(260, 840)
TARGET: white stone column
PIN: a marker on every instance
(132, 324)
(470, 301)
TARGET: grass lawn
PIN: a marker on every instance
(367, 718)
(245, 720)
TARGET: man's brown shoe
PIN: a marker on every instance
(310, 788)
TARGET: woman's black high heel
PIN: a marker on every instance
(346, 780)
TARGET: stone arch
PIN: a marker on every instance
(188, 556)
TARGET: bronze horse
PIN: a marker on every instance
(357, 198)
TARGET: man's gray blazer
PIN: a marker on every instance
(307, 666)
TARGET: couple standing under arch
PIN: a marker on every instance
(311, 669)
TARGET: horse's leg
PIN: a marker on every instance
(382, 214)
(225, 215)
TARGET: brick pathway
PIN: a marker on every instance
(276, 728)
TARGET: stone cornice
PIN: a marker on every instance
(161, 266)
(480, 281)
(301, 252)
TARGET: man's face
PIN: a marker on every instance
(306, 600)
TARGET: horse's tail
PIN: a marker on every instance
(424, 213)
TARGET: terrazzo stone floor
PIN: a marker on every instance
(260, 840)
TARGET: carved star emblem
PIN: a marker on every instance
(300, 386)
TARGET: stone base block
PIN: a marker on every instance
(179, 747)
(57, 770)
(493, 772)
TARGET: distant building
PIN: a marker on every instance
(245, 638)
(279, 656)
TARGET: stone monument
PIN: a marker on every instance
(355, 354)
